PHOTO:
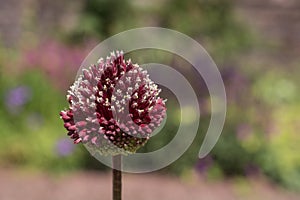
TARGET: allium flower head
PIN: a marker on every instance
(114, 106)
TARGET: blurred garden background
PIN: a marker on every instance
(256, 46)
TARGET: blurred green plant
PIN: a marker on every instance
(100, 17)
(211, 22)
(277, 89)
(30, 130)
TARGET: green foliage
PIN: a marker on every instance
(30, 133)
(211, 22)
(99, 18)
(279, 160)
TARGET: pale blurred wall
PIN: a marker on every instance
(21, 18)
(276, 20)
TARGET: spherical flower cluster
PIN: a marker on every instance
(114, 106)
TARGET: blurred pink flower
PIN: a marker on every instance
(243, 131)
(58, 61)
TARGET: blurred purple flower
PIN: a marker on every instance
(17, 97)
(64, 147)
(204, 164)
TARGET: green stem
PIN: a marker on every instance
(117, 177)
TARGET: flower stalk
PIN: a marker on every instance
(117, 177)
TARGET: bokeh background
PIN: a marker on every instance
(256, 46)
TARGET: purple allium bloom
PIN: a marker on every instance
(17, 97)
(64, 147)
(114, 106)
